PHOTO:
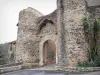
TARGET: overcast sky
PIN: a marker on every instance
(9, 11)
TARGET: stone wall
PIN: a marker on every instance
(11, 52)
(33, 30)
(78, 69)
(10, 68)
(64, 27)
(48, 32)
(76, 45)
(27, 50)
(93, 14)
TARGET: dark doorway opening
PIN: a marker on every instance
(49, 52)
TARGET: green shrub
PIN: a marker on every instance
(86, 24)
(97, 25)
(93, 54)
(97, 61)
(94, 50)
(2, 59)
(87, 64)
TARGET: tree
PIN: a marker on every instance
(1, 57)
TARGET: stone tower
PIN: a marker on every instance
(27, 41)
(70, 14)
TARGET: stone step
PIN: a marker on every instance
(10, 69)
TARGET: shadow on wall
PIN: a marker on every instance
(93, 2)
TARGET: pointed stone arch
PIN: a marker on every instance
(53, 38)
(49, 52)
(43, 24)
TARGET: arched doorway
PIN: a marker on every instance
(49, 52)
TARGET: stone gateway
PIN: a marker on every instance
(57, 38)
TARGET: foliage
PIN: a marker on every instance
(87, 64)
(95, 63)
(3, 53)
(2, 59)
(97, 25)
(97, 60)
(86, 24)
(94, 52)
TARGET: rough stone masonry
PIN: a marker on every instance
(63, 28)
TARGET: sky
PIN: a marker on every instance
(9, 14)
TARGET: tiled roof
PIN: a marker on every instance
(13, 42)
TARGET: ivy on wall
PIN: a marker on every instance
(86, 24)
(94, 52)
